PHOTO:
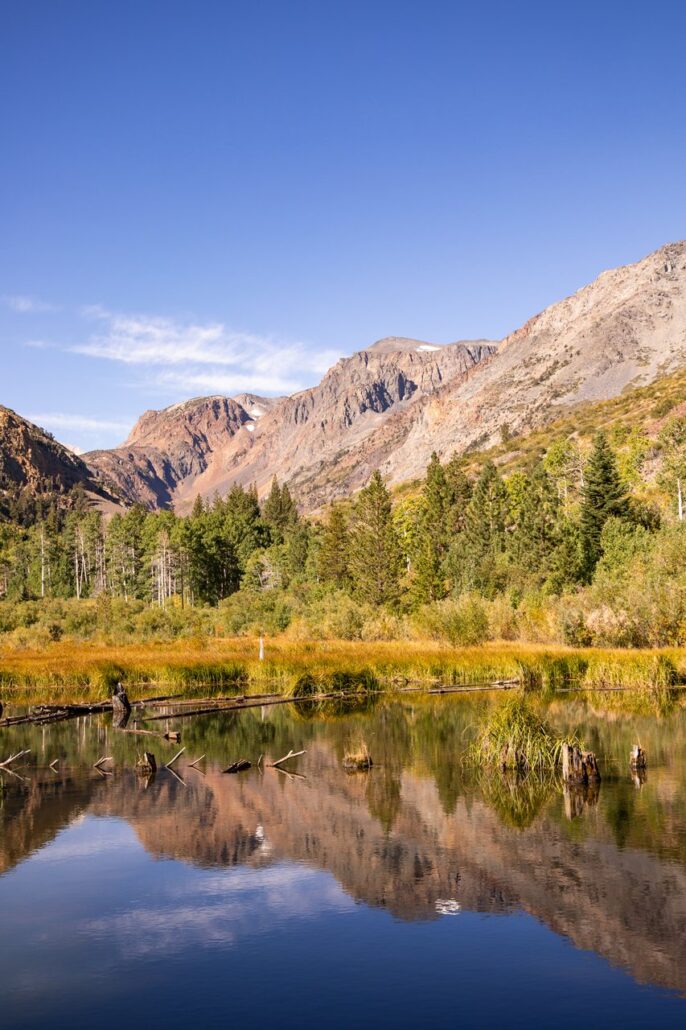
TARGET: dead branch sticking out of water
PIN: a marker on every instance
(177, 755)
(291, 754)
(196, 763)
(14, 758)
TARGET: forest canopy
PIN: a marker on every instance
(572, 549)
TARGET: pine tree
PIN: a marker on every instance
(481, 546)
(279, 512)
(537, 525)
(334, 549)
(375, 556)
(459, 495)
(429, 583)
(603, 495)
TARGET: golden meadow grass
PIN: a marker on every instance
(67, 671)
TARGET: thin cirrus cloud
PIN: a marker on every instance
(196, 356)
(23, 304)
(79, 423)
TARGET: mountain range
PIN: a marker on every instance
(387, 406)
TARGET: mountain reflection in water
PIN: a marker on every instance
(419, 835)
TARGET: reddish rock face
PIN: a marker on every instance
(391, 405)
(316, 439)
(32, 461)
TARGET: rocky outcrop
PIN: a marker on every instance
(389, 406)
(624, 330)
(33, 463)
(315, 439)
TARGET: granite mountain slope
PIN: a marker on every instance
(205, 445)
(389, 406)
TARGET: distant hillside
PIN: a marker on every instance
(33, 464)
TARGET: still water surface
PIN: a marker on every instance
(415, 894)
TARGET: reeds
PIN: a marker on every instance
(516, 737)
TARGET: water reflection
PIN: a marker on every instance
(419, 835)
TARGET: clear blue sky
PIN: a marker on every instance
(203, 197)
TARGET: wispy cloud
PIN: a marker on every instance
(39, 344)
(25, 304)
(192, 356)
(79, 423)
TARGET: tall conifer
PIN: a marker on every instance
(603, 495)
(375, 555)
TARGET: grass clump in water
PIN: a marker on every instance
(358, 758)
(516, 737)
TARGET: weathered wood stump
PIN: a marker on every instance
(120, 718)
(579, 766)
(637, 758)
(120, 701)
(146, 764)
(237, 767)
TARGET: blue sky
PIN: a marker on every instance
(210, 197)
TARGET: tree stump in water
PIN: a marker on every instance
(578, 766)
(237, 767)
(146, 764)
(120, 701)
(120, 718)
(637, 758)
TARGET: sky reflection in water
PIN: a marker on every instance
(320, 901)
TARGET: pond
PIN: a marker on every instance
(417, 893)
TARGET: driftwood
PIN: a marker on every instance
(280, 761)
(101, 761)
(196, 763)
(579, 766)
(637, 758)
(240, 766)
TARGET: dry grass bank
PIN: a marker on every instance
(67, 671)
